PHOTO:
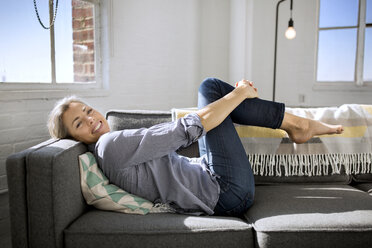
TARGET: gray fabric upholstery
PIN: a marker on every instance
(191, 151)
(282, 215)
(366, 187)
(53, 192)
(363, 178)
(329, 179)
(341, 178)
(133, 119)
(347, 239)
(109, 229)
(16, 174)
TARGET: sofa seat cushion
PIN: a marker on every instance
(109, 229)
(313, 215)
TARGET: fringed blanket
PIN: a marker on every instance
(272, 153)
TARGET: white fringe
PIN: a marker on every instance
(310, 164)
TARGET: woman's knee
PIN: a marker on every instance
(207, 85)
(212, 89)
(208, 92)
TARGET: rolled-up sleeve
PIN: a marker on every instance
(145, 144)
(193, 128)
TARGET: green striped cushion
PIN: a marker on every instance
(98, 192)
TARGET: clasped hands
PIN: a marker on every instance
(249, 88)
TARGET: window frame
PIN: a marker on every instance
(36, 90)
(358, 84)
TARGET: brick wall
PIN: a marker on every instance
(83, 41)
(22, 125)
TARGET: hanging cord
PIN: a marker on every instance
(54, 16)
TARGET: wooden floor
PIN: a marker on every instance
(4, 221)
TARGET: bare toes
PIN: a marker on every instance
(340, 130)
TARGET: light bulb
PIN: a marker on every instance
(290, 33)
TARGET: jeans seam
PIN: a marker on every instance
(281, 115)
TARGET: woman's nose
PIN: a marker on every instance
(90, 120)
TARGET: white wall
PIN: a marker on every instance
(160, 50)
(155, 60)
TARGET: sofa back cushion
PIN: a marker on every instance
(363, 178)
(341, 178)
(134, 119)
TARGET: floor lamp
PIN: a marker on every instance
(289, 34)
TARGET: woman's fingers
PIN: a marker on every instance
(251, 90)
(244, 81)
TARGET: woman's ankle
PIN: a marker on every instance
(298, 128)
(301, 129)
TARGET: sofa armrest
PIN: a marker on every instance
(51, 198)
(16, 174)
(54, 197)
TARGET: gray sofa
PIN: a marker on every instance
(48, 210)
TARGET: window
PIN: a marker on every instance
(65, 53)
(345, 42)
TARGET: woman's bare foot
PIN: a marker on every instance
(302, 129)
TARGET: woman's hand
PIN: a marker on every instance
(214, 113)
(248, 87)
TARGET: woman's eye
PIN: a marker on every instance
(90, 111)
(78, 125)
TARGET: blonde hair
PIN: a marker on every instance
(55, 123)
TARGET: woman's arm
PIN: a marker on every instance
(214, 113)
(135, 146)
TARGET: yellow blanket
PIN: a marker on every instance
(271, 151)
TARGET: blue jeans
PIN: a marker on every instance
(226, 155)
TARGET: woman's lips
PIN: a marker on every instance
(97, 127)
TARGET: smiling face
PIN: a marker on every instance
(84, 123)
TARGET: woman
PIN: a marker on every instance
(144, 162)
